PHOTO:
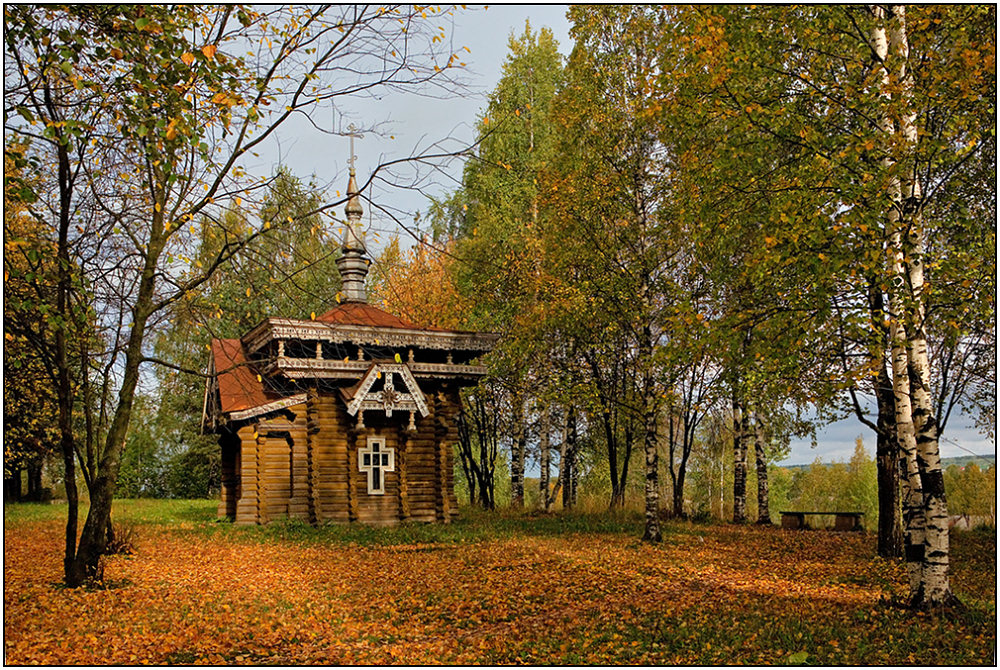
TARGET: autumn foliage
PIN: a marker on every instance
(541, 590)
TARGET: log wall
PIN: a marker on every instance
(302, 463)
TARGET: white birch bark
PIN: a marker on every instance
(543, 449)
(763, 494)
(936, 589)
(910, 476)
(739, 462)
(517, 454)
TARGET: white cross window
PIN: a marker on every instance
(376, 459)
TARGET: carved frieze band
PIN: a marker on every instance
(283, 329)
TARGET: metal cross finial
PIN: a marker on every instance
(352, 133)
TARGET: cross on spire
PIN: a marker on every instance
(352, 263)
(352, 132)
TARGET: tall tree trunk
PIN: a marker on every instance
(93, 536)
(611, 440)
(679, 494)
(12, 484)
(469, 466)
(34, 468)
(517, 455)
(936, 586)
(671, 448)
(890, 526)
(629, 436)
(763, 495)
(650, 411)
(543, 458)
(913, 516)
(561, 478)
(568, 468)
(739, 461)
(64, 386)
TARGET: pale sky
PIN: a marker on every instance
(409, 124)
(418, 123)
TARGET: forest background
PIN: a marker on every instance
(686, 263)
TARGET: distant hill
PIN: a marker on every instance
(983, 461)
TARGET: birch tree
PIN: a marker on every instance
(608, 192)
(856, 124)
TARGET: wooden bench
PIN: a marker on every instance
(842, 520)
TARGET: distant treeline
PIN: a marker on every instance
(984, 461)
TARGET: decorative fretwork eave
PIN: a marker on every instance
(314, 368)
(286, 329)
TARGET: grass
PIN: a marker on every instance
(498, 588)
(141, 511)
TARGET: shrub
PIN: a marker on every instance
(121, 539)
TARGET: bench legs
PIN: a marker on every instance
(847, 522)
(842, 522)
(793, 521)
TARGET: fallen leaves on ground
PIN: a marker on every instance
(707, 595)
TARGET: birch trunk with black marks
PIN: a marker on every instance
(543, 458)
(763, 503)
(739, 461)
(517, 455)
(936, 589)
(925, 509)
(650, 423)
(568, 466)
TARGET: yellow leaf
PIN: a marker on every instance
(209, 50)
(188, 58)
(248, 291)
(312, 316)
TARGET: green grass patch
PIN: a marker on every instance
(139, 511)
(472, 526)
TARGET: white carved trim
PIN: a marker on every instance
(389, 399)
(283, 329)
(303, 368)
(269, 407)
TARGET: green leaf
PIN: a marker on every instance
(25, 113)
(798, 658)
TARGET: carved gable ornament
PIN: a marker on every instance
(378, 391)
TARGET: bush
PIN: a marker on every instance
(121, 539)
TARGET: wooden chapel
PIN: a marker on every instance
(348, 417)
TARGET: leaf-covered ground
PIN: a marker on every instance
(546, 590)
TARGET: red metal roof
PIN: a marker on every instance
(240, 387)
(363, 314)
